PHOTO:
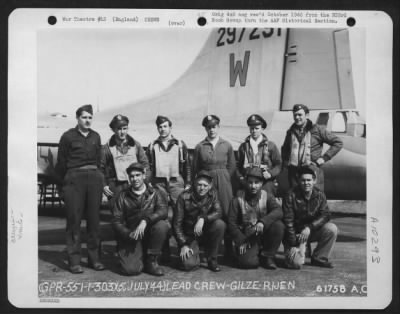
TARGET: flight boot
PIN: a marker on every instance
(151, 266)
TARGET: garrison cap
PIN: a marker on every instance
(298, 107)
(118, 121)
(210, 120)
(135, 166)
(162, 119)
(305, 170)
(255, 172)
(204, 174)
(256, 119)
(87, 108)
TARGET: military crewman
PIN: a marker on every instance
(139, 221)
(255, 223)
(303, 146)
(197, 220)
(258, 151)
(118, 153)
(77, 167)
(169, 161)
(306, 217)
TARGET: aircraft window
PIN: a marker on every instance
(323, 118)
(355, 127)
(339, 123)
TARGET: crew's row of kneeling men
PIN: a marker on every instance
(255, 223)
(140, 185)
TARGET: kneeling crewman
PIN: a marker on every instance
(306, 216)
(255, 223)
(140, 214)
(197, 220)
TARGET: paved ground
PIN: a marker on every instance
(348, 278)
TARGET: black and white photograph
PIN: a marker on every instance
(208, 157)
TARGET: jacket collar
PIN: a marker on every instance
(149, 191)
(113, 142)
(308, 127)
(206, 142)
(299, 193)
(172, 141)
(250, 197)
(263, 142)
(196, 198)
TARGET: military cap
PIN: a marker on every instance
(87, 108)
(118, 121)
(305, 170)
(162, 119)
(255, 172)
(210, 120)
(298, 107)
(204, 174)
(256, 119)
(135, 166)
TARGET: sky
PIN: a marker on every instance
(110, 67)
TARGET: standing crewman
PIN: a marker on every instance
(258, 151)
(303, 146)
(78, 162)
(169, 162)
(117, 154)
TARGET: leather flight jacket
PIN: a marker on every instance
(130, 209)
(298, 212)
(189, 209)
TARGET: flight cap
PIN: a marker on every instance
(87, 108)
(298, 107)
(162, 119)
(118, 121)
(135, 166)
(210, 120)
(255, 172)
(256, 119)
(204, 174)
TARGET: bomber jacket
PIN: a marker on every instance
(107, 161)
(130, 209)
(189, 209)
(268, 151)
(237, 223)
(298, 212)
(319, 136)
(184, 164)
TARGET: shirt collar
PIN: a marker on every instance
(79, 132)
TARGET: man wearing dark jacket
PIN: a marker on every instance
(255, 223)
(306, 217)
(197, 219)
(77, 168)
(258, 151)
(303, 146)
(139, 220)
(117, 154)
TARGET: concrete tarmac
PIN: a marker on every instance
(347, 278)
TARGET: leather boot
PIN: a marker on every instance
(152, 266)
